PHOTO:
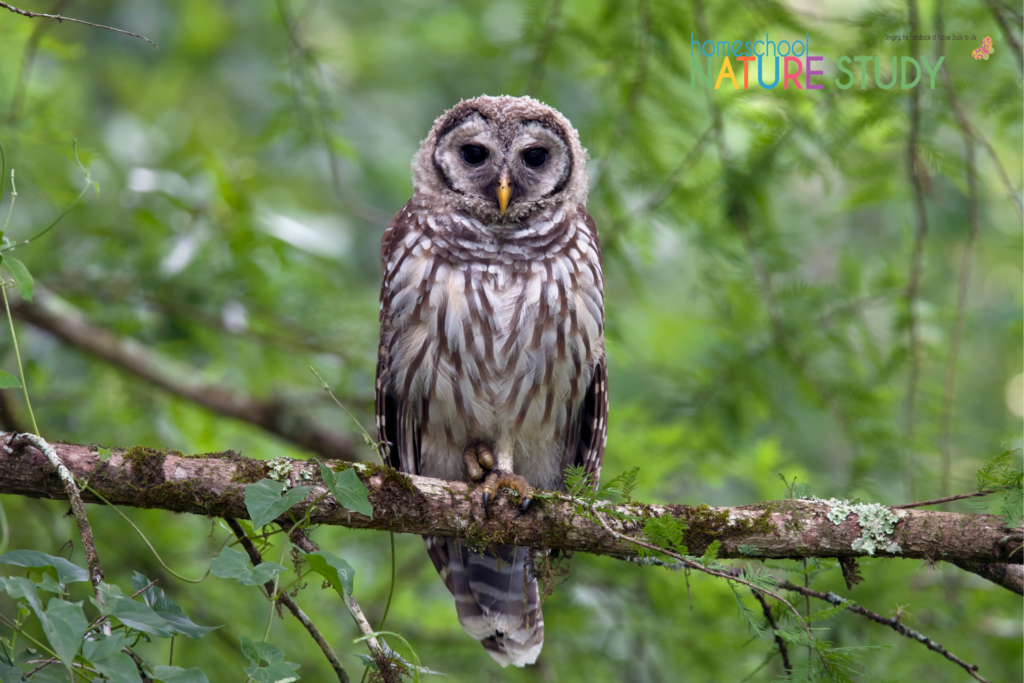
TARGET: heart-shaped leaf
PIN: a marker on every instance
(232, 564)
(265, 503)
(65, 626)
(337, 571)
(140, 617)
(347, 489)
(64, 571)
(119, 668)
(257, 651)
(282, 672)
(175, 674)
(103, 646)
(168, 609)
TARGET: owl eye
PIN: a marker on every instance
(535, 157)
(474, 154)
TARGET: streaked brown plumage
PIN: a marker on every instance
(492, 336)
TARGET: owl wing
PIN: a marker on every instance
(398, 431)
(588, 439)
(589, 432)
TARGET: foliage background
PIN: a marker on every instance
(757, 317)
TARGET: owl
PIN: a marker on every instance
(491, 364)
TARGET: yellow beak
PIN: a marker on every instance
(504, 193)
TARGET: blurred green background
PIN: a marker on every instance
(757, 275)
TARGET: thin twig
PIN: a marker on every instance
(544, 47)
(699, 567)
(945, 499)
(58, 18)
(285, 599)
(914, 167)
(77, 506)
(783, 650)
(891, 622)
(42, 666)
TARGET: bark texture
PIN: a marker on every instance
(213, 485)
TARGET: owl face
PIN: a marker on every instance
(501, 159)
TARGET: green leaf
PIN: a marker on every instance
(64, 571)
(265, 503)
(51, 674)
(50, 585)
(18, 587)
(106, 657)
(168, 609)
(65, 626)
(666, 532)
(232, 564)
(9, 381)
(22, 278)
(104, 454)
(175, 674)
(282, 672)
(712, 552)
(119, 668)
(261, 573)
(337, 571)
(140, 617)
(259, 651)
(348, 490)
(276, 671)
(10, 674)
(103, 647)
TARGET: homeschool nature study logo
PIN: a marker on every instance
(798, 66)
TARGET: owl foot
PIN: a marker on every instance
(478, 458)
(496, 479)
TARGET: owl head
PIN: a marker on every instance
(500, 160)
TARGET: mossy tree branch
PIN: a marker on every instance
(213, 485)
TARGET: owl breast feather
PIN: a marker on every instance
(495, 335)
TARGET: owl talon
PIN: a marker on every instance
(523, 506)
(496, 479)
(477, 458)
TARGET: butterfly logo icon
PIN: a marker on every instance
(985, 50)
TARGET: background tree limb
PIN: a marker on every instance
(65, 323)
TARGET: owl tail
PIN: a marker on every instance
(497, 604)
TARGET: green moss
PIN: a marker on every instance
(389, 475)
(147, 465)
(707, 525)
(750, 550)
(247, 470)
(795, 521)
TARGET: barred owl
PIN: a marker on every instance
(491, 365)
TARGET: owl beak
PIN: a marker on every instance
(504, 192)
